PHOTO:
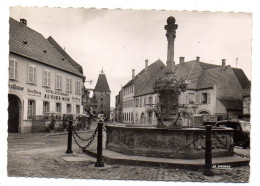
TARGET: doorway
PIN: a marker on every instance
(13, 113)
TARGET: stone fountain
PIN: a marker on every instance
(168, 139)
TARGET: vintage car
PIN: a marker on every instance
(241, 135)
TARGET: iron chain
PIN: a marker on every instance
(91, 139)
(83, 139)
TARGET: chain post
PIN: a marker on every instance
(69, 146)
(100, 162)
(208, 153)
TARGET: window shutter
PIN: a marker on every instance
(15, 70)
(34, 75)
(182, 98)
(11, 69)
(186, 98)
(60, 82)
(49, 78)
(30, 74)
(67, 84)
(70, 84)
(45, 78)
(208, 98)
(57, 82)
(198, 98)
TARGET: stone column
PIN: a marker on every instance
(171, 35)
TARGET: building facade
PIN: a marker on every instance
(213, 90)
(41, 79)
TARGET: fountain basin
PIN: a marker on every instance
(183, 143)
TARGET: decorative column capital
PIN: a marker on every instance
(171, 28)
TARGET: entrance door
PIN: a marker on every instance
(13, 113)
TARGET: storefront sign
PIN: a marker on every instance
(75, 99)
(57, 92)
(56, 95)
(34, 92)
(16, 87)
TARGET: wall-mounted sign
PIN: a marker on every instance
(34, 92)
(56, 95)
(75, 99)
(56, 92)
(16, 87)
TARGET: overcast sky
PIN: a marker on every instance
(121, 40)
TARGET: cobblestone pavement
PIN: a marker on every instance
(36, 155)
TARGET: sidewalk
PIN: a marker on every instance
(112, 157)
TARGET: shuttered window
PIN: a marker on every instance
(69, 84)
(13, 69)
(191, 98)
(58, 82)
(141, 102)
(32, 74)
(136, 102)
(198, 101)
(78, 87)
(186, 98)
(145, 101)
(46, 78)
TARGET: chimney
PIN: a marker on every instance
(133, 73)
(23, 21)
(146, 65)
(181, 60)
(198, 59)
(223, 63)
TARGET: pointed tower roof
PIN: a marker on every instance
(102, 84)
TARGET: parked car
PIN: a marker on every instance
(241, 135)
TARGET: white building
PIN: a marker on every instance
(42, 78)
(213, 90)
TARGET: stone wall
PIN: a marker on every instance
(187, 143)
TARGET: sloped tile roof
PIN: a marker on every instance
(232, 104)
(144, 83)
(209, 78)
(102, 84)
(26, 42)
(241, 77)
(201, 76)
(65, 54)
